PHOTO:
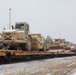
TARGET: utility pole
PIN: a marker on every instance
(9, 18)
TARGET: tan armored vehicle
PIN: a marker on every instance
(19, 38)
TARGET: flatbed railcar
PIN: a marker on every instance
(16, 54)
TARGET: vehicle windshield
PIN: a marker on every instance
(20, 26)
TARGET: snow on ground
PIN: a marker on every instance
(73, 72)
(42, 67)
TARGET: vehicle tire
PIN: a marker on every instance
(47, 49)
(29, 44)
(44, 48)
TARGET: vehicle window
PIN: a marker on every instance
(20, 26)
(27, 27)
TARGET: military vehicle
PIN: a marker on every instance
(60, 44)
(19, 38)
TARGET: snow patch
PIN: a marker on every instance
(74, 73)
(70, 64)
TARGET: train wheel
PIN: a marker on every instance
(8, 58)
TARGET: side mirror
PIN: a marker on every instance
(4, 28)
(12, 26)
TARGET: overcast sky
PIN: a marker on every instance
(48, 17)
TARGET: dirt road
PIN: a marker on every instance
(55, 66)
